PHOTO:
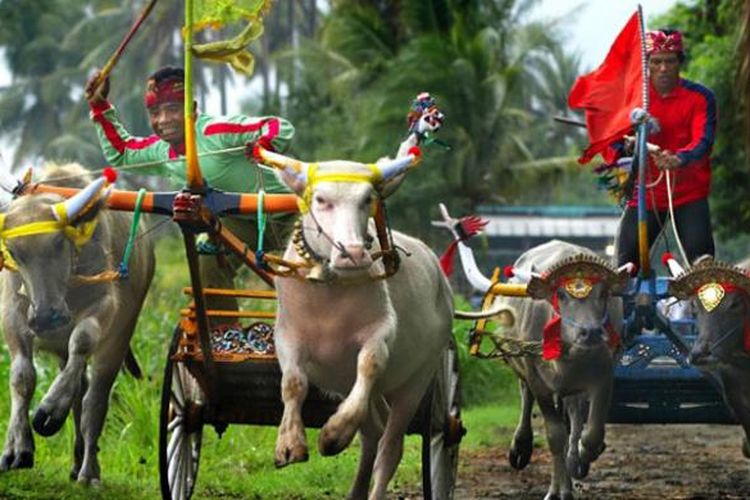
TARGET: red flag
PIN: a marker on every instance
(609, 93)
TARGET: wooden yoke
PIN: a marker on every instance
(497, 288)
(161, 203)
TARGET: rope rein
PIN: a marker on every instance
(136, 166)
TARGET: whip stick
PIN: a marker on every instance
(569, 121)
(107, 69)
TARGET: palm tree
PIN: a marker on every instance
(33, 105)
(474, 56)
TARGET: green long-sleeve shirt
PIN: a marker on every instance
(225, 171)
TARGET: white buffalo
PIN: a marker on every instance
(342, 327)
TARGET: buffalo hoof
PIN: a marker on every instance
(93, 482)
(519, 454)
(333, 439)
(588, 455)
(577, 468)
(560, 496)
(290, 456)
(745, 448)
(22, 460)
(45, 425)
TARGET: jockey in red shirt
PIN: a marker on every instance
(685, 115)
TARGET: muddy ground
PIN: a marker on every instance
(641, 462)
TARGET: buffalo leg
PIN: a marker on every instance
(53, 410)
(18, 451)
(370, 434)
(522, 445)
(291, 444)
(561, 487)
(575, 407)
(404, 404)
(79, 445)
(95, 406)
(338, 432)
(592, 440)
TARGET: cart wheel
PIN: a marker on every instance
(443, 430)
(180, 428)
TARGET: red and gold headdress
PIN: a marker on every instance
(658, 41)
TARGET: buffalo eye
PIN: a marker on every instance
(323, 203)
(57, 245)
(366, 203)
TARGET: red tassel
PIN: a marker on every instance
(256, 152)
(508, 272)
(551, 335)
(614, 337)
(110, 174)
(415, 151)
(551, 340)
(446, 260)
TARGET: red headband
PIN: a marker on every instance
(658, 41)
(164, 91)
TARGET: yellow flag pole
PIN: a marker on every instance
(193, 174)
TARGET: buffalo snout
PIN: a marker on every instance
(352, 256)
(49, 318)
(590, 336)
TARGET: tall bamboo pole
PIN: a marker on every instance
(644, 268)
(193, 174)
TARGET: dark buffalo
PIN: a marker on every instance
(48, 244)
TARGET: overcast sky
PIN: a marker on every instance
(595, 24)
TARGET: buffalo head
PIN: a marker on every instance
(721, 299)
(40, 236)
(337, 199)
(579, 289)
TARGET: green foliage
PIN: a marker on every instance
(483, 381)
(498, 79)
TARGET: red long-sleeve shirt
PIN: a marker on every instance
(687, 127)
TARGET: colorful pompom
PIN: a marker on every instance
(415, 151)
(256, 152)
(666, 257)
(110, 174)
(508, 272)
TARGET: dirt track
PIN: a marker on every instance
(641, 462)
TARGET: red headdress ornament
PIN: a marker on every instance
(658, 41)
(163, 91)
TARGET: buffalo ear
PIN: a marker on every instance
(538, 288)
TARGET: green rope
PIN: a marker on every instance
(122, 269)
(261, 216)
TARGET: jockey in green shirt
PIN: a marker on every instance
(225, 170)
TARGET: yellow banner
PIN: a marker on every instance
(217, 14)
